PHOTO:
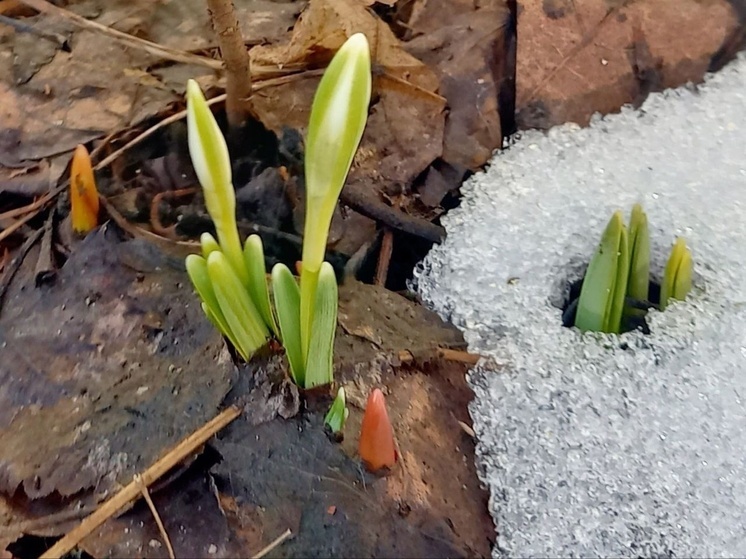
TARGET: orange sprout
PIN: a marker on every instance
(376, 447)
(83, 193)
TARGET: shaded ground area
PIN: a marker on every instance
(132, 366)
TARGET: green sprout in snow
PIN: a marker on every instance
(231, 280)
(614, 294)
(605, 285)
(677, 277)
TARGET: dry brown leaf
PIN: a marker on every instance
(470, 50)
(405, 129)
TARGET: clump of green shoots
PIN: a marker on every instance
(231, 280)
(615, 288)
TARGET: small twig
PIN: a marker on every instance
(139, 232)
(466, 429)
(384, 257)
(236, 59)
(276, 543)
(146, 495)
(5, 259)
(8, 231)
(356, 198)
(458, 356)
(130, 492)
(31, 210)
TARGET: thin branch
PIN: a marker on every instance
(238, 106)
(285, 535)
(360, 200)
(130, 492)
(154, 512)
(384, 257)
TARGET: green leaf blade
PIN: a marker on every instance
(319, 364)
(287, 305)
(598, 295)
(619, 290)
(677, 276)
(253, 253)
(639, 270)
(240, 314)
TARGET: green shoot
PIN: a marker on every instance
(677, 277)
(338, 413)
(338, 116)
(231, 282)
(615, 288)
(211, 162)
(639, 269)
(605, 284)
(307, 315)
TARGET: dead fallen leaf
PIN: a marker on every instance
(471, 49)
(405, 129)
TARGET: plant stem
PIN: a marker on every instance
(238, 105)
(309, 280)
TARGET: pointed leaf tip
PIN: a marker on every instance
(376, 446)
(339, 113)
(84, 204)
(677, 276)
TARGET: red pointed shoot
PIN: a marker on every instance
(376, 447)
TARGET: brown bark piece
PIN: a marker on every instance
(578, 57)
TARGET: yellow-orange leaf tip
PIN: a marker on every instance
(83, 193)
(376, 447)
